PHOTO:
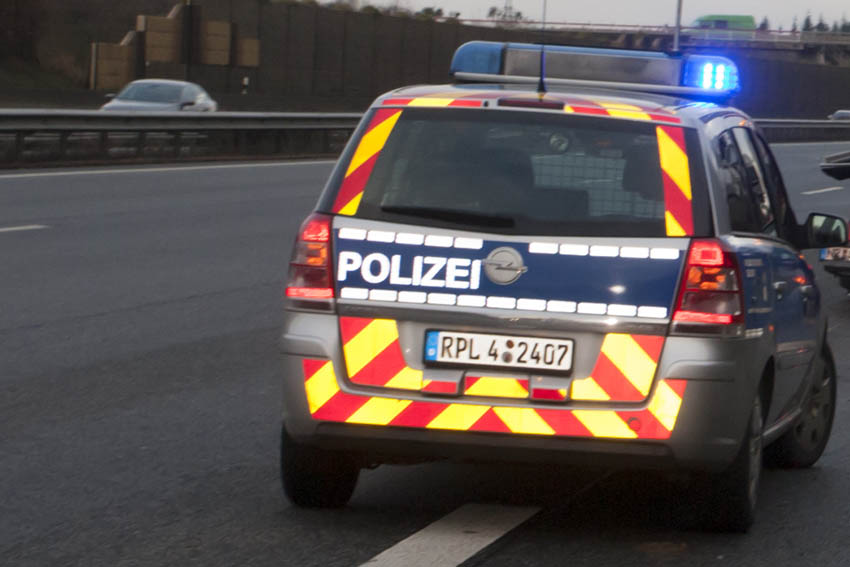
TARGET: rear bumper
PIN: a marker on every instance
(716, 395)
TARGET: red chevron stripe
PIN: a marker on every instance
(311, 366)
(597, 111)
(650, 344)
(440, 387)
(397, 101)
(490, 422)
(664, 118)
(677, 135)
(355, 183)
(350, 326)
(380, 115)
(465, 102)
(564, 423)
(615, 384)
(678, 205)
(382, 368)
(650, 427)
(547, 394)
(418, 414)
(340, 407)
(677, 386)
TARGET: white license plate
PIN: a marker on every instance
(478, 349)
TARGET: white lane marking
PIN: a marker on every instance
(24, 227)
(790, 144)
(163, 169)
(454, 538)
(826, 190)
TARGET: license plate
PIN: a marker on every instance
(836, 253)
(478, 349)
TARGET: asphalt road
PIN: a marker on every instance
(140, 392)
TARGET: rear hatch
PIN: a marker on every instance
(521, 254)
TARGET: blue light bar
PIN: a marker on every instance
(478, 57)
(645, 71)
(712, 73)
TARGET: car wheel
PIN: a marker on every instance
(732, 494)
(314, 477)
(802, 445)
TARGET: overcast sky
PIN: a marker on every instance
(641, 12)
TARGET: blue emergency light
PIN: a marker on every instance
(697, 76)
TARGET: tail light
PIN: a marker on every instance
(310, 270)
(710, 298)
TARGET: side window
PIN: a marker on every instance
(750, 208)
(776, 188)
(190, 94)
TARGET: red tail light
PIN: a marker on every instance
(310, 271)
(710, 293)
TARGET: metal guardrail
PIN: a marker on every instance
(690, 34)
(66, 137)
(779, 130)
(33, 138)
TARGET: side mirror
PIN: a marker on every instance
(110, 96)
(837, 166)
(824, 231)
(186, 104)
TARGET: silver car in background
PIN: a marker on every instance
(161, 95)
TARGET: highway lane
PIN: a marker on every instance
(139, 397)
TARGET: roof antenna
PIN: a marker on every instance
(541, 85)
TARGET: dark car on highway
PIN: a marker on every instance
(161, 95)
(602, 266)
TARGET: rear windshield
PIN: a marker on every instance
(517, 172)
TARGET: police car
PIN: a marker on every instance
(598, 266)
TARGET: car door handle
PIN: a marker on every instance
(807, 290)
(779, 288)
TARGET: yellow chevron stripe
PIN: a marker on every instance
(350, 207)
(588, 389)
(378, 411)
(406, 379)
(524, 420)
(604, 424)
(321, 387)
(425, 101)
(630, 359)
(673, 226)
(459, 417)
(368, 343)
(665, 405)
(372, 142)
(674, 161)
(497, 388)
(568, 109)
(621, 110)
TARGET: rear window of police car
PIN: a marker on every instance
(514, 172)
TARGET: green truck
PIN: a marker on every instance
(726, 22)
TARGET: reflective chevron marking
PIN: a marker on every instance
(676, 174)
(327, 402)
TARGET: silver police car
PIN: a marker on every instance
(601, 265)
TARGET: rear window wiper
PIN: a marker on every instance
(451, 215)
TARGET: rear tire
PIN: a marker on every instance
(314, 477)
(803, 444)
(733, 494)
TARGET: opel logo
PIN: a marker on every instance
(504, 266)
